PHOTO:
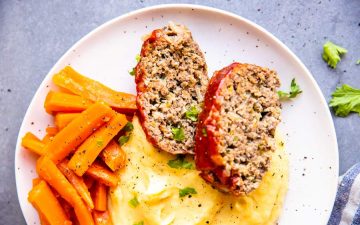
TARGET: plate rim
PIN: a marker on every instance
(222, 12)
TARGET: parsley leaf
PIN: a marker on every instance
(137, 58)
(180, 163)
(358, 62)
(192, 113)
(100, 142)
(132, 72)
(178, 134)
(332, 53)
(345, 99)
(134, 202)
(294, 91)
(128, 127)
(204, 132)
(123, 139)
(187, 191)
(139, 223)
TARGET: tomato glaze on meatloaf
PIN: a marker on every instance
(235, 132)
(171, 79)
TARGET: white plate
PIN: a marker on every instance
(108, 53)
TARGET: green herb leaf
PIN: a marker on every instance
(358, 62)
(187, 191)
(332, 53)
(192, 113)
(294, 91)
(178, 134)
(123, 139)
(132, 72)
(137, 58)
(204, 132)
(128, 127)
(139, 223)
(99, 142)
(134, 202)
(345, 99)
(180, 163)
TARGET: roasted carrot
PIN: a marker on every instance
(32, 143)
(77, 182)
(78, 84)
(52, 131)
(102, 174)
(63, 119)
(63, 102)
(100, 197)
(48, 171)
(42, 198)
(113, 156)
(102, 218)
(36, 181)
(89, 150)
(47, 138)
(43, 220)
(89, 181)
(77, 131)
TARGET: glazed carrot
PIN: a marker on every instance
(100, 197)
(63, 102)
(102, 174)
(48, 171)
(102, 218)
(89, 181)
(32, 143)
(113, 156)
(42, 198)
(52, 131)
(43, 220)
(89, 150)
(77, 182)
(78, 84)
(77, 131)
(63, 119)
(46, 139)
(36, 181)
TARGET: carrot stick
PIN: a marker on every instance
(89, 181)
(46, 139)
(36, 181)
(48, 171)
(42, 198)
(88, 151)
(52, 131)
(102, 218)
(63, 102)
(78, 84)
(32, 143)
(77, 182)
(77, 131)
(113, 156)
(102, 174)
(63, 119)
(100, 197)
(43, 220)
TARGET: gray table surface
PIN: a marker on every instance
(34, 34)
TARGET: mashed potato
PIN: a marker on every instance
(148, 192)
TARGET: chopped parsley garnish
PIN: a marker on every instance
(187, 191)
(358, 62)
(134, 202)
(192, 113)
(123, 139)
(132, 72)
(178, 133)
(204, 132)
(294, 91)
(345, 99)
(99, 142)
(180, 163)
(332, 53)
(128, 127)
(139, 223)
(137, 58)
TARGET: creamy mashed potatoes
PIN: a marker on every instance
(148, 192)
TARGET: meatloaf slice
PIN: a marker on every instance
(235, 133)
(171, 79)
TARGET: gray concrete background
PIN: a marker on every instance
(34, 34)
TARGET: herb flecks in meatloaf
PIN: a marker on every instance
(171, 78)
(242, 111)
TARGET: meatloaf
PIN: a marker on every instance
(171, 80)
(235, 132)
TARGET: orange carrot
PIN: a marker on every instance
(63, 102)
(113, 156)
(102, 174)
(77, 131)
(88, 151)
(32, 143)
(52, 131)
(42, 198)
(102, 218)
(78, 84)
(43, 220)
(36, 181)
(48, 171)
(89, 181)
(63, 119)
(77, 182)
(100, 197)
(46, 139)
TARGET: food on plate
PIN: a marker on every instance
(65, 102)
(153, 191)
(171, 80)
(294, 91)
(235, 133)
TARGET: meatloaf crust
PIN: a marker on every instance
(235, 133)
(171, 78)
